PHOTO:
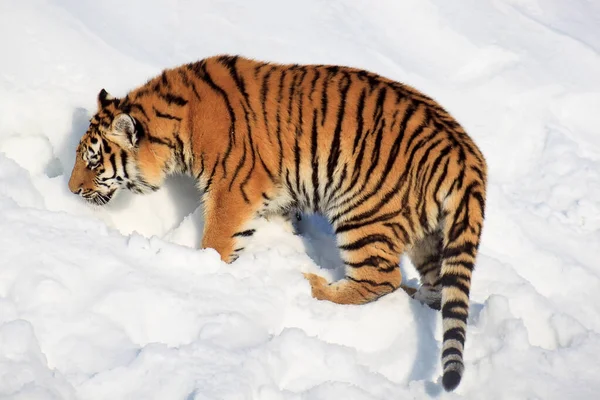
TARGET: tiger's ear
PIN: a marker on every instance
(104, 99)
(123, 131)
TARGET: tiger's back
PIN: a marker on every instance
(389, 167)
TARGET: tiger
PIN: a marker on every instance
(391, 170)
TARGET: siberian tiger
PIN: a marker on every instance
(392, 171)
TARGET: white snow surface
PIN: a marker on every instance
(119, 302)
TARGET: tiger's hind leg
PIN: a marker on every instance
(426, 256)
(371, 258)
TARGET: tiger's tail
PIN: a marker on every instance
(461, 227)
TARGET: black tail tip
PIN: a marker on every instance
(451, 380)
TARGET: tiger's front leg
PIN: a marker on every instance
(227, 216)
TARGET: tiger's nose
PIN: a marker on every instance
(76, 189)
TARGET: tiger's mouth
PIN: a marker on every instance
(97, 198)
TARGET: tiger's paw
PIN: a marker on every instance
(319, 286)
(343, 291)
(430, 296)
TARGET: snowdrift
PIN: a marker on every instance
(119, 302)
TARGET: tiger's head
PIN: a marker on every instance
(109, 157)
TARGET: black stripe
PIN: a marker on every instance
(212, 174)
(418, 145)
(440, 181)
(301, 95)
(435, 167)
(399, 231)
(465, 248)
(249, 174)
(429, 266)
(105, 146)
(335, 151)
(288, 182)
(359, 119)
(263, 99)
(345, 226)
(252, 155)
(422, 182)
(382, 264)
(448, 314)
(340, 181)
(422, 124)
(163, 78)
(356, 172)
(371, 282)
(135, 107)
(180, 151)
(313, 83)
(166, 115)
(379, 125)
(297, 156)
(201, 172)
(324, 98)
(456, 333)
(174, 99)
(454, 305)
(245, 233)
(238, 167)
(451, 351)
(461, 176)
(195, 91)
(124, 164)
(161, 141)
(278, 118)
(368, 240)
(230, 62)
(315, 162)
(425, 157)
(478, 171)
(479, 198)
(371, 261)
(291, 102)
(453, 280)
(184, 78)
(267, 170)
(465, 264)
(113, 163)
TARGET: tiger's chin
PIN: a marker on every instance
(100, 199)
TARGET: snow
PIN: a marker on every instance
(118, 302)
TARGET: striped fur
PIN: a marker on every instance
(389, 167)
